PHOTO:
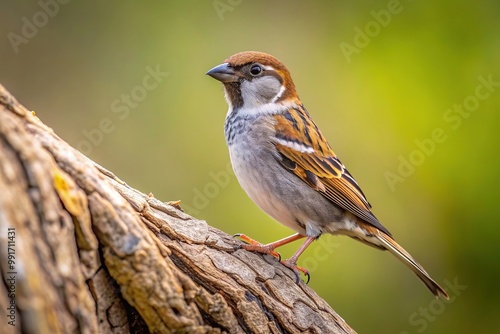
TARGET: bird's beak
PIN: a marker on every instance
(224, 73)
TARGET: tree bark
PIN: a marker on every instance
(81, 251)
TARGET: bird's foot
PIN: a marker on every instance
(255, 246)
(290, 263)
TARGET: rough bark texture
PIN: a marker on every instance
(87, 253)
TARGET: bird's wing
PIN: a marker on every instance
(310, 157)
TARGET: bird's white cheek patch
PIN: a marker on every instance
(259, 91)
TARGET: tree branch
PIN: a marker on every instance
(92, 255)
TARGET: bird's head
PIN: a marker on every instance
(253, 79)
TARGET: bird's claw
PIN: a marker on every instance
(255, 246)
(297, 270)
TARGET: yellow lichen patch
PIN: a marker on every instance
(69, 193)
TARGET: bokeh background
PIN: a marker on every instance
(81, 66)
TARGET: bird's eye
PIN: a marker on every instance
(255, 70)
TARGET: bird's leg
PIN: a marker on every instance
(255, 246)
(292, 261)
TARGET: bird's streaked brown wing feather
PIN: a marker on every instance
(312, 160)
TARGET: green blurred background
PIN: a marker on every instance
(373, 103)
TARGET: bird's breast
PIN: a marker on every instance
(253, 157)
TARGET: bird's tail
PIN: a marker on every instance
(392, 246)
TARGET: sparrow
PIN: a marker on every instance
(286, 166)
